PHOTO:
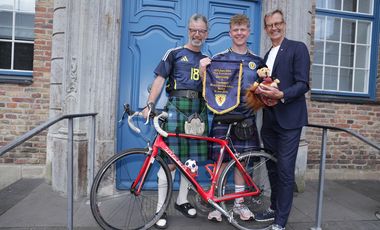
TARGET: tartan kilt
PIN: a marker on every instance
(220, 130)
(179, 109)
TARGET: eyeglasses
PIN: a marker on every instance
(200, 31)
(276, 25)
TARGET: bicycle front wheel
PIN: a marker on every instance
(115, 205)
(255, 163)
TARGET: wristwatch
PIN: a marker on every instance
(151, 105)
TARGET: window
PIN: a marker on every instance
(16, 40)
(345, 48)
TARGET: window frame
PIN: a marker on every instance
(355, 97)
(12, 75)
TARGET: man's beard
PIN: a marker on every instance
(197, 43)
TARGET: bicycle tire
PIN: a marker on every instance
(114, 205)
(255, 165)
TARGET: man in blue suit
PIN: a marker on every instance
(289, 61)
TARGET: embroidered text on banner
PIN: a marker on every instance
(221, 85)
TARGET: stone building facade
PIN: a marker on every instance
(76, 69)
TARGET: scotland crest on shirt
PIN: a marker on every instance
(221, 86)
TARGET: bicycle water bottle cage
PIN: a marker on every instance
(210, 168)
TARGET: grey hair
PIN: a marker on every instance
(198, 17)
(277, 11)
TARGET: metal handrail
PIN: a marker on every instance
(357, 135)
(318, 221)
(31, 133)
(70, 146)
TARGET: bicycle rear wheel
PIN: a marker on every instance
(115, 205)
(254, 163)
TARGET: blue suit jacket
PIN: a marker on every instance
(291, 67)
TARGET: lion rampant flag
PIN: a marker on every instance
(221, 86)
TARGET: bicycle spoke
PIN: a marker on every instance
(114, 206)
(254, 164)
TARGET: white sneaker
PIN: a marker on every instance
(244, 212)
(277, 227)
(215, 216)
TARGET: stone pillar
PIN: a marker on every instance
(56, 80)
(59, 163)
(301, 163)
(85, 63)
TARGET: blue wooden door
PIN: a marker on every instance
(149, 29)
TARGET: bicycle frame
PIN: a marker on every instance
(206, 195)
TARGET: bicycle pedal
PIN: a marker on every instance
(230, 216)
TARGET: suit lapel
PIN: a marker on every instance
(266, 55)
(281, 51)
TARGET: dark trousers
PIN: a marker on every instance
(284, 144)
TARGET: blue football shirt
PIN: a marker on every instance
(249, 76)
(180, 66)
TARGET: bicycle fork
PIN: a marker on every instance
(140, 179)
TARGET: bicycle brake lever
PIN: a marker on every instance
(149, 114)
(126, 111)
(122, 117)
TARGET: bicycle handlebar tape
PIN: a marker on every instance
(157, 125)
(130, 123)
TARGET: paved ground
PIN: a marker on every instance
(31, 204)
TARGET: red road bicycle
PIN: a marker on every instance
(128, 200)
